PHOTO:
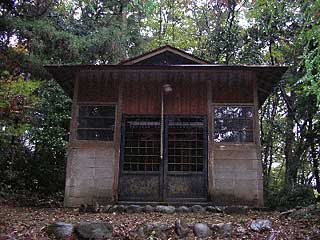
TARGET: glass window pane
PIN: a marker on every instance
(96, 111)
(245, 124)
(246, 136)
(233, 123)
(89, 134)
(96, 123)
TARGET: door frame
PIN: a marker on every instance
(163, 167)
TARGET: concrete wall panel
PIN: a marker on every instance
(90, 175)
(237, 174)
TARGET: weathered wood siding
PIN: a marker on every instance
(234, 87)
(187, 97)
(142, 94)
(98, 87)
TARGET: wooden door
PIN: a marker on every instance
(185, 165)
(140, 166)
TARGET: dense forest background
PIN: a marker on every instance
(35, 112)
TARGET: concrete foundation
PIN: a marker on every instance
(237, 175)
(90, 173)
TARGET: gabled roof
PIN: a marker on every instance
(267, 76)
(169, 60)
(165, 55)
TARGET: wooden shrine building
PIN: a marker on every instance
(165, 127)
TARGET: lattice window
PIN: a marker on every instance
(186, 146)
(142, 144)
(233, 123)
(96, 123)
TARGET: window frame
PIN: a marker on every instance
(252, 105)
(95, 104)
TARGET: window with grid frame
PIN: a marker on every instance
(96, 122)
(233, 124)
(142, 144)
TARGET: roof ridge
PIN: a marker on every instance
(160, 50)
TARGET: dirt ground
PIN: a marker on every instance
(30, 223)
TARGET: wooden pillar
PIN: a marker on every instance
(257, 141)
(117, 139)
(74, 111)
(256, 111)
(72, 137)
(210, 141)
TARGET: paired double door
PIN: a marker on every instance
(181, 174)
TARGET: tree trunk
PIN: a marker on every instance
(291, 171)
(124, 29)
(160, 26)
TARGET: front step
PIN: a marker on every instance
(176, 204)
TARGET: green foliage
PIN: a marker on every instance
(36, 159)
(274, 27)
(48, 138)
(288, 133)
(311, 56)
(18, 96)
(278, 197)
(301, 195)
(16, 87)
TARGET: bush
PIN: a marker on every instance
(300, 195)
